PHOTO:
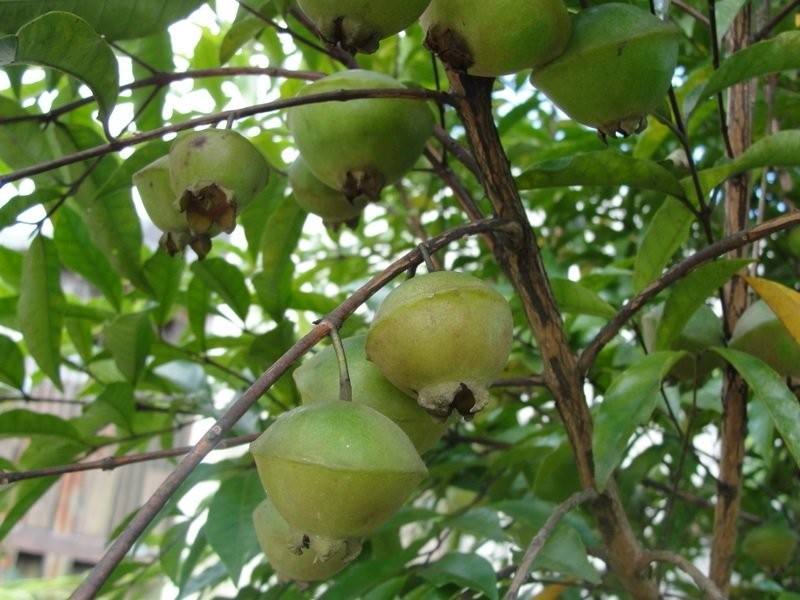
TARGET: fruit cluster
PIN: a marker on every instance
(334, 470)
(196, 191)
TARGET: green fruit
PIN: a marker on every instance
(359, 146)
(358, 25)
(616, 69)
(770, 545)
(701, 332)
(215, 174)
(759, 332)
(443, 337)
(495, 38)
(317, 198)
(317, 380)
(276, 538)
(336, 471)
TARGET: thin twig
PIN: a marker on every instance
(701, 581)
(774, 21)
(538, 541)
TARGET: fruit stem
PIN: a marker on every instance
(426, 256)
(345, 388)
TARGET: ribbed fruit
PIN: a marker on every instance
(771, 545)
(495, 38)
(215, 174)
(443, 337)
(317, 198)
(359, 25)
(760, 333)
(615, 70)
(336, 471)
(317, 380)
(361, 145)
(276, 538)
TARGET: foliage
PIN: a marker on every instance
(142, 340)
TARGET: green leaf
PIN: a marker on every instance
(572, 297)
(780, 53)
(171, 550)
(74, 247)
(27, 493)
(279, 240)
(689, 293)
(772, 392)
(163, 274)
(628, 403)
(128, 338)
(11, 266)
(23, 142)
(469, 571)
(66, 42)
(667, 231)
(227, 281)
(482, 522)
(115, 404)
(565, 553)
(10, 211)
(245, 28)
(229, 528)
(41, 306)
(361, 577)
(19, 422)
(12, 363)
(604, 167)
(114, 19)
(198, 296)
(781, 149)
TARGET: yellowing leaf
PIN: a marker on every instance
(784, 302)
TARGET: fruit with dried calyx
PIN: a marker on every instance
(443, 337)
(771, 545)
(359, 25)
(759, 332)
(336, 471)
(615, 70)
(495, 38)
(215, 174)
(359, 146)
(317, 380)
(275, 538)
(317, 198)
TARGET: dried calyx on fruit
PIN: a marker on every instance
(359, 146)
(336, 471)
(317, 380)
(615, 70)
(495, 38)
(359, 25)
(443, 337)
(275, 538)
(315, 197)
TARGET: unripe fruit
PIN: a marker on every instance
(759, 332)
(336, 471)
(359, 146)
(317, 380)
(215, 174)
(616, 68)
(276, 538)
(443, 337)
(771, 545)
(702, 331)
(317, 198)
(358, 25)
(495, 38)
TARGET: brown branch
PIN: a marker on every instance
(120, 546)
(678, 271)
(696, 500)
(774, 21)
(538, 541)
(523, 265)
(692, 11)
(227, 115)
(701, 581)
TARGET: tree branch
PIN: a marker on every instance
(120, 546)
(701, 581)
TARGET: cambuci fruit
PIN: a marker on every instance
(336, 471)
(442, 337)
(615, 70)
(315, 197)
(770, 545)
(361, 145)
(359, 25)
(498, 37)
(302, 565)
(317, 380)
